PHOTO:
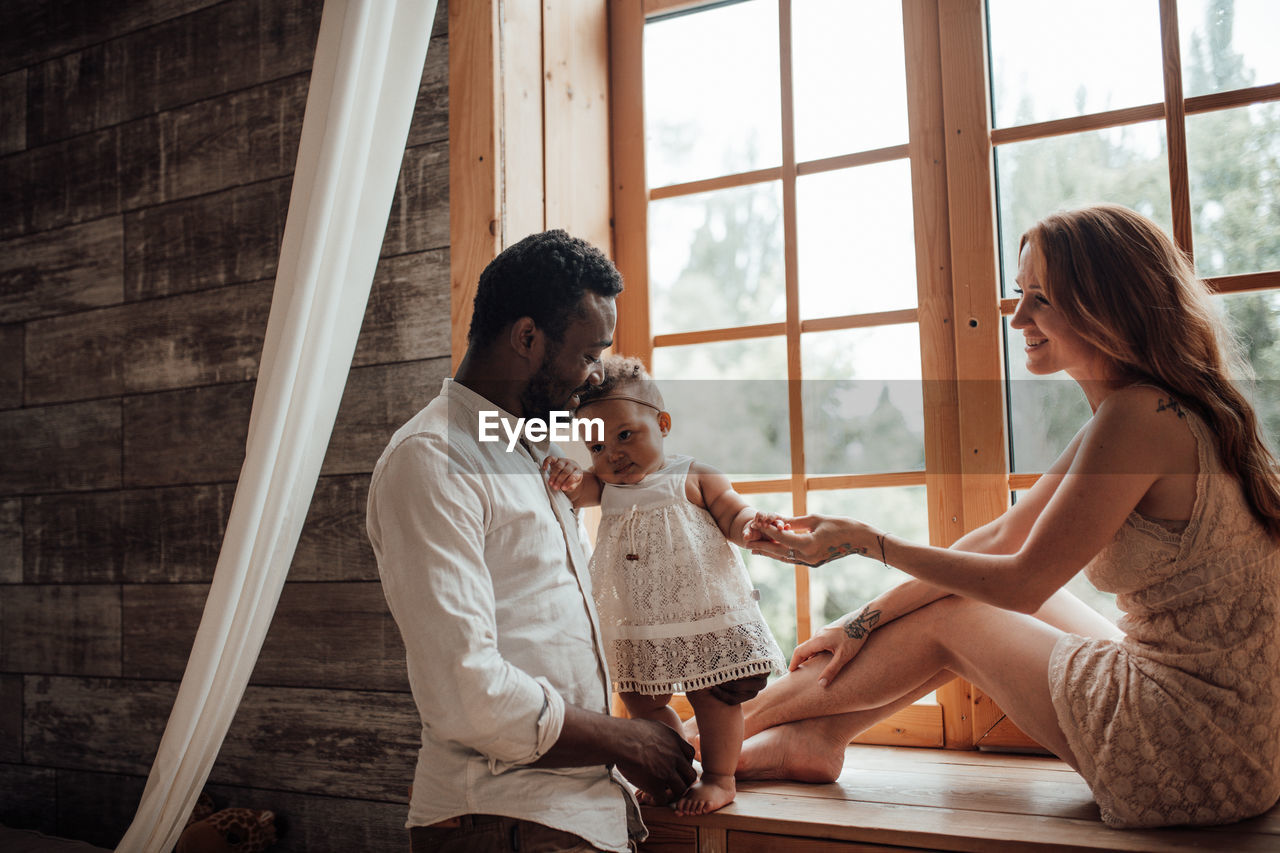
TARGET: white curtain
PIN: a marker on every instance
(364, 83)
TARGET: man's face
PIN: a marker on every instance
(573, 363)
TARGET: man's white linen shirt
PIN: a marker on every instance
(484, 570)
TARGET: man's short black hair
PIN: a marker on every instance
(544, 277)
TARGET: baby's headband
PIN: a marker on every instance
(618, 397)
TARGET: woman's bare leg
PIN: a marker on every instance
(721, 733)
(790, 698)
(812, 750)
(1005, 653)
(1071, 615)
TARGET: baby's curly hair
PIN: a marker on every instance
(623, 374)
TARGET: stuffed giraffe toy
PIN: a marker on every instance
(235, 830)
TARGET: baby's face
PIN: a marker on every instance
(632, 445)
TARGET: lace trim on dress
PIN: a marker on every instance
(745, 670)
(693, 662)
(1165, 529)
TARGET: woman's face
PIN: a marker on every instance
(1052, 344)
(633, 440)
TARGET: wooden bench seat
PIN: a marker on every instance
(894, 798)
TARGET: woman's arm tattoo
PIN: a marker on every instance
(861, 625)
(1172, 405)
(835, 552)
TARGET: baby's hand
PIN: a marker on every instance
(755, 530)
(562, 473)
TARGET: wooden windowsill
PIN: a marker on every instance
(935, 800)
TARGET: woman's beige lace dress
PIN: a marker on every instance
(675, 601)
(1179, 721)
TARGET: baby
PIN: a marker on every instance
(676, 605)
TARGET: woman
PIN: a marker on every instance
(1167, 496)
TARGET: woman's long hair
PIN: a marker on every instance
(1131, 292)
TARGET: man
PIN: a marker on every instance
(484, 571)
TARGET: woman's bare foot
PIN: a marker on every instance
(804, 751)
(709, 793)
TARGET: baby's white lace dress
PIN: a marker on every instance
(676, 605)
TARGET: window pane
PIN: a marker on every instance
(728, 404)
(775, 580)
(836, 46)
(1234, 160)
(1045, 412)
(715, 259)
(1051, 59)
(1124, 165)
(1254, 318)
(711, 100)
(1228, 44)
(863, 401)
(847, 584)
(856, 240)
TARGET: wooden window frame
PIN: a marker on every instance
(950, 148)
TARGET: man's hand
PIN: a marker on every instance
(657, 760)
(742, 690)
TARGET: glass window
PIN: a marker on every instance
(856, 240)
(715, 259)
(1052, 60)
(863, 406)
(838, 46)
(1228, 44)
(1234, 161)
(712, 93)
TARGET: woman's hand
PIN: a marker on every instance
(812, 540)
(842, 639)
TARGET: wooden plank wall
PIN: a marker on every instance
(146, 157)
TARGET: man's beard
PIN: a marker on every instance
(542, 394)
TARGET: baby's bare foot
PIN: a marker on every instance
(709, 793)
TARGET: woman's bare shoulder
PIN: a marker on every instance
(1151, 422)
(1144, 405)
